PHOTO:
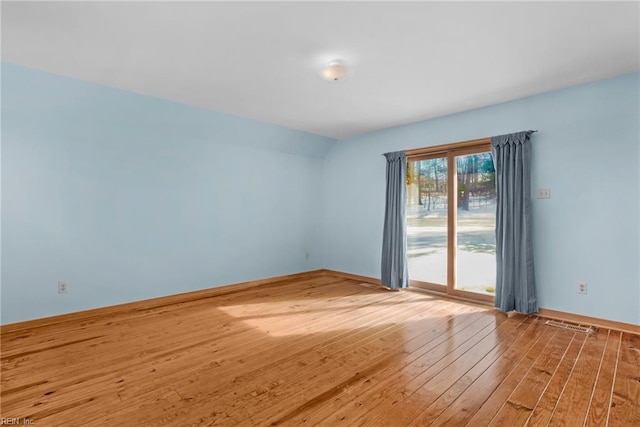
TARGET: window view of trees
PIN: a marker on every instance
(427, 210)
(427, 181)
(476, 179)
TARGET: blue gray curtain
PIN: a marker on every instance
(395, 274)
(515, 282)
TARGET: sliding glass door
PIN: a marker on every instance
(451, 204)
(476, 224)
(427, 221)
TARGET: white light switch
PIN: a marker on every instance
(543, 193)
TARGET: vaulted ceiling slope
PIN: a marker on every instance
(409, 61)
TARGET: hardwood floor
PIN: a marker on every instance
(322, 350)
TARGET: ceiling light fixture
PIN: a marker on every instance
(334, 71)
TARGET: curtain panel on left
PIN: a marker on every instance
(395, 274)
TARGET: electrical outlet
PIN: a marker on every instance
(582, 287)
(543, 193)
(62, 287)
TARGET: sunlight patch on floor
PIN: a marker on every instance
(276, 318)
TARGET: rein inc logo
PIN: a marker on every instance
(16, 421)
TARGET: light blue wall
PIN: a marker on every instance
(586, 151)
(128, 197)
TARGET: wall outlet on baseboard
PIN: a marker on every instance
(62, 287)
(582, 287)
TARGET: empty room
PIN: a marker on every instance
(320, 213)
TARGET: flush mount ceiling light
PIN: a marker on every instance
(334, 71)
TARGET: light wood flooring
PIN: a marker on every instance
(320, 350)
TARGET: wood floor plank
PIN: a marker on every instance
(543, 411)
(492, 405)
(472, 398)
(517, 409)
(222, 337)
(356, 393)
(107, 368)
(221, 295)
(224, 371)
(318, 408)
(600, 401)
(408, 407)
(317, 349)
(573, 404)
(435, 409)
(167, 368)
(142, 329)
(625, 404)
(307, 288)
(358, 353)
(379, 395)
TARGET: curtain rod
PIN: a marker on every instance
(510, 133)
(464, 142)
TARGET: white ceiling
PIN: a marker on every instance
(410, 61)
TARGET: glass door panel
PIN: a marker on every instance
(475, 224)
(427, 220)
